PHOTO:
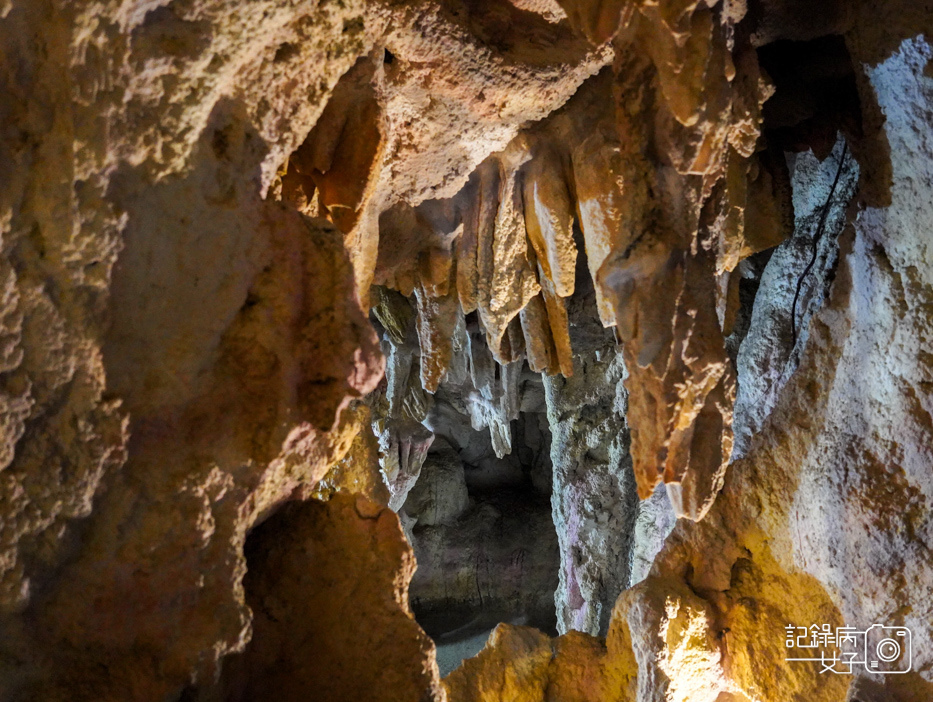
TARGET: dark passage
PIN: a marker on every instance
(482, 530)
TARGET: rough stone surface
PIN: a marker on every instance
(805, 529)
(768, 355)
(498, 561)
(653, 524)
(306, 629)
(594, 498)
(440, 495)
(217, 218)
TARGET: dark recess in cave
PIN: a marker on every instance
(498, 560)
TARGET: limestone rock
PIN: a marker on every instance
(196, 199)
(497, 558)
(358, 472)
(593, 497)
(801, 531)
(549, 220)
(512, 282)
(306, 628)
(769, 356)
(440, 494)
(654, 523)
(513, 667)
(403, 447)
(520, 664)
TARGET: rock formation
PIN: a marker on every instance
(614, 314)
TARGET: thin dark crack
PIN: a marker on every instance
(816, 241)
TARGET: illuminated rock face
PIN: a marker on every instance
(246, 248)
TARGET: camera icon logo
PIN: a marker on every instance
(888, 649)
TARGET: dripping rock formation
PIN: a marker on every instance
(590, 341)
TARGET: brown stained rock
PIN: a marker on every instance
(486, 208)
(520, 664)
(513, 667)
(265, 425)
(516, 341)
(467, 245)
(549, 220)
(679, 39)
(706, 448)
(725, 92)
(598, 20)
(357, 473)
(694, 645)
(549, 9)
(644, 216)
(750, 211)
(189, 58)
(434, 271)
(664, 292)
(584, 670)
(600, 207)
(418, 247)
(445, 107)
(437, 319)
(670, 386)
(177, 350)
(298, 190)
(769, 213)
(667, 641)
(539, 345)
(801, 534)
(394, 313)
(512, 282)
(467, 110)
(559, 327)
(611, 174)
(319, 575)
(342, 151)
(407, 234)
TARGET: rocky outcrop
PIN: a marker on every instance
(306, 628)
(657, 212)
(497, 562)
(179, 345)
(593, 497)
(801, 531)
(791, 288)
(245, 247)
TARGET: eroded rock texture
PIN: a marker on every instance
(655, 164)
(474, 274)
(790, 538)
(304, 626)
(594, 494)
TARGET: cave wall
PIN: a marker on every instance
(824, 513)
(200, 202)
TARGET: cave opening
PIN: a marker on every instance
(507, 463)
(500, 533)
(335, 334)
(487, 554)
(472, 484)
